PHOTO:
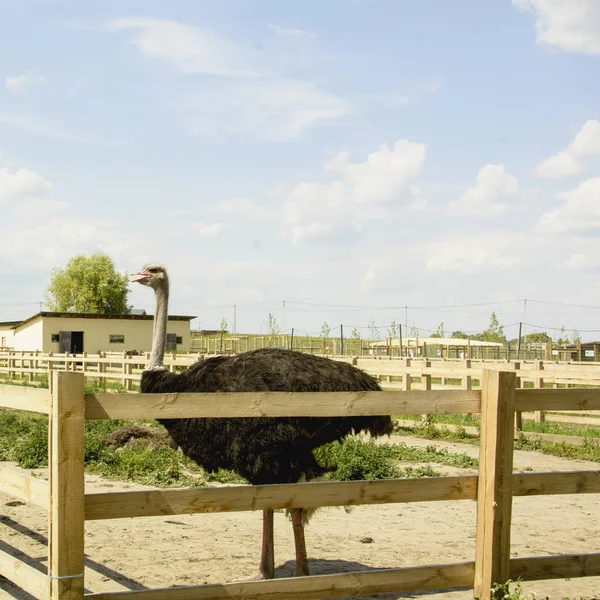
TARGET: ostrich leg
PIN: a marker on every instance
(266, 569)
(301, 558)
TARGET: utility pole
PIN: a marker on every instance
(283, 318)
(234, 319)
(406, 321)
(524, 324)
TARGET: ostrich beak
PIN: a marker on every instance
(143, 276)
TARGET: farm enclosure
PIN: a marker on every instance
(494, 487)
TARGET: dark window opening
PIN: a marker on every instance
(116, 339)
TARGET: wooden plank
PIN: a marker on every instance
(149, 503)
(469, 429)
(67, 519)
(357, 583)
(25, 398)
(29, 579)
(494, 490)
(278, 404)
(564, 566)
(575, 420)
(571, 482)
(557, 399)
(26, 488)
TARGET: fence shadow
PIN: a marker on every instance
(40, 563)
(322, 566)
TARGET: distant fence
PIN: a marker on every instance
(493, 488)
(392, 373)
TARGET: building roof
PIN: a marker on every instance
(130, 317)
(8, 323)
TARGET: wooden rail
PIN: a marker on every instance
(493, 488)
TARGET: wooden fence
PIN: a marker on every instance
(493, 489)
(393, 374)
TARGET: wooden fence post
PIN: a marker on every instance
(494, 491)
(66, 514)
(539, 383)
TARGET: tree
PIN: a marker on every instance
(575, 337)
(373, 329)
(563, 340)
(461, 335)
(394, 330)
(440, 333)
(494, 333)
(223, 325)
(325, 330)
(272, 325)
(88, 284)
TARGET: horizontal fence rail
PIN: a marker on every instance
(493, 489)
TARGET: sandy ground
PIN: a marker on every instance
(130, 554)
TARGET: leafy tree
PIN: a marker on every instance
(494, 333)
(272, 325)
(414, 332)
(223, 325)
(537, 337)
(325, 330)
(88, 284)
(374, 330)
(440, 333)
(461, 335)
(563, 340)
(393, 330)
(575, 337)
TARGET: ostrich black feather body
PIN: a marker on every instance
(264, 450)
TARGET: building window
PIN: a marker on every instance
(55, 337)
(116, 339)
(179, 340)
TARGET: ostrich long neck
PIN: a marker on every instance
(159, 335)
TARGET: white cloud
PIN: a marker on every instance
(208, 229)
(250, 96)
(494, 186)
(570, 162)
(559, 166)
(287, 32)
(469, 254)
(16, 83)
(188, 48)
(580, 213)
(579, 261)
(275, 109)
(573, 25)
(20, 184)
(360, 192)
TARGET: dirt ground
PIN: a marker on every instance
(142, 553)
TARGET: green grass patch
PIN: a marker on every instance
(354, 459)
(589, 451)
(24, 439)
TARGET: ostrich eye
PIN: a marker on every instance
(153, 270)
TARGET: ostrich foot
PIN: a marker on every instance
(260, 576)
(266, 569)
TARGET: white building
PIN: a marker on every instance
(80, 332)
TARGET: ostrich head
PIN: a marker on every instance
(153, 276)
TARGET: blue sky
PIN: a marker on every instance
(370, 155)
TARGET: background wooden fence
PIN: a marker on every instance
(392, 373)
(493, 489)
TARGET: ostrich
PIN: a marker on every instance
(263, 450)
